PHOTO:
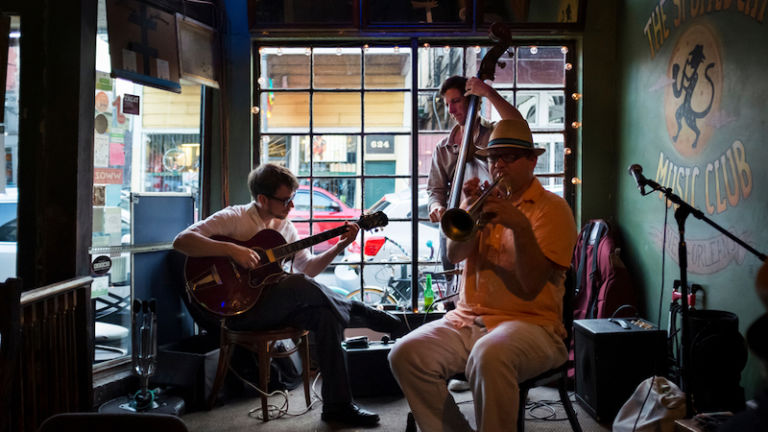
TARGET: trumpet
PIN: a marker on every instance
(459, 224)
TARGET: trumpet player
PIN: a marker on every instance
(507, 325)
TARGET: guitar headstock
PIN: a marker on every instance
(373, 220)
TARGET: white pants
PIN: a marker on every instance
(494, 363)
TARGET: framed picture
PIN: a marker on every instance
(142, 44)
(199, 58)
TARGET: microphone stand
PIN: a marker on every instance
(681, 214)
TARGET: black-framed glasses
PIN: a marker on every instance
(283, 201)
(506, 157)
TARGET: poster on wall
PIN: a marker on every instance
(709, 147)
(143, 44)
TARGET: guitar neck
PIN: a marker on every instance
(291, 248)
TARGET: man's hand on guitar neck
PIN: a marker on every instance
(348, 237)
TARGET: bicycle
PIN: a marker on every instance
(398, 287)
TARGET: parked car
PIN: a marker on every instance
(326, 206)
(392, 243)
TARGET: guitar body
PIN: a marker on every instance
(221, 286)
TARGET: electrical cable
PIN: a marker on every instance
(278, 411)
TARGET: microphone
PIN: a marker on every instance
(636, 171)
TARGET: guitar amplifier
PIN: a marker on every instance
(613, 356)
(369, 372)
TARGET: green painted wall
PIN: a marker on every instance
(722, 173)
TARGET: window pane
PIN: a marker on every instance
(287, 150)
(331, 155)
(540, 66)
(281, 111)
(427, 145)
(439, 63)
(503, 72)
(9, 143)
(556, 109)
(387, 111)
(333, 112)
(388, 68)
(284, 68)
(337, 68)
(528, 104)
(433, 115)
(487, 109)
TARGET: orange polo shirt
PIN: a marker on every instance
(491, 269)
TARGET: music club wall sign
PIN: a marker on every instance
(710, 153)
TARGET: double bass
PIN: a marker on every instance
(502, 38)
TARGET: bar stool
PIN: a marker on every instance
(262, 343)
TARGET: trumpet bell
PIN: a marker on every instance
(457, 224)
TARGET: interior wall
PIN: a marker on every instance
(721, 173)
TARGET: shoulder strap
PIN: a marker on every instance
(584, 239)
(600, 229)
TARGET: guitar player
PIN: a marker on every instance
(293, 299)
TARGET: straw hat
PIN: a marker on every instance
(511, 134)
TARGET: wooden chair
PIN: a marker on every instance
(262, 343)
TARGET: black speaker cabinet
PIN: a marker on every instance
(369, 372)
(612, 360)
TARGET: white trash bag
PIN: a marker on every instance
(664, 405)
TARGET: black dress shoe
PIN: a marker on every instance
(351, 415)
(374, 319)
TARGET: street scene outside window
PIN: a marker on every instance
(146, 141)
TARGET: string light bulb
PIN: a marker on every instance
(534, 49)
(307, 51)
(576, 96)
(564, 49)
(338, 51)
(426, 44)
(255, 110)
(575, 181)
(576, 124)
(365, 48)
(568, 66)
(396, 49)
(477, 49)
(261, 81)
(279, 51)
(446, 49)
(567, 151)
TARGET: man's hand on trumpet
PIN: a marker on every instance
(505, 213)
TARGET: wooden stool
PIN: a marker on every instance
(262, 343)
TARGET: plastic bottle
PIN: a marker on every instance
(429, 295)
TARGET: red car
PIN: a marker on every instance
(326, 206)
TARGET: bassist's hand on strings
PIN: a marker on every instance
(476, 86)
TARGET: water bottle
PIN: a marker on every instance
(429, 295)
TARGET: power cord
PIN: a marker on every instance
(274, 411)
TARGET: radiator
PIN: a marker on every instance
(55, 355)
